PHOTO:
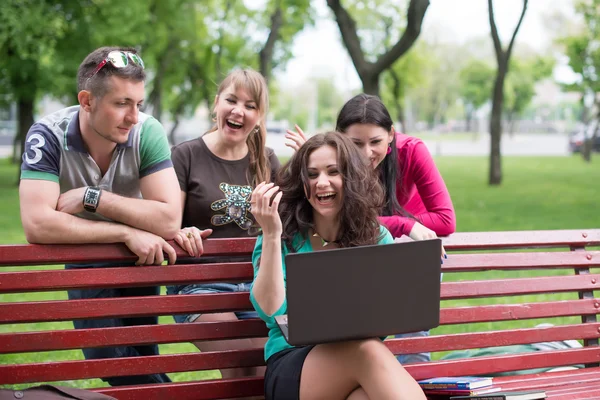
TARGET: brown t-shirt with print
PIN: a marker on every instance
(217, 190)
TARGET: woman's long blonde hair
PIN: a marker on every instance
(256, 86)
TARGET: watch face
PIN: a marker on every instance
(91, 198)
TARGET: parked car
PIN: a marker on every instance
(577, 138)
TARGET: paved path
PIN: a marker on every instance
(530, 144)
(523, 144)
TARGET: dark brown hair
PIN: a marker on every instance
(368, 109)
(97, 85)
(363, 193)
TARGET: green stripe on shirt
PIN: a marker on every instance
(37, 175)
(154, 146)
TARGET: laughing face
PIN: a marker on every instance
(325, 183)
(372, 141)
(237, 114)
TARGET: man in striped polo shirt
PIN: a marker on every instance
(101, 172)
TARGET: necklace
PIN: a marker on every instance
(323, 241)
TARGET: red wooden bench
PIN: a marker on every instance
(504, 298)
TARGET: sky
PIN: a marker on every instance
(318, 50)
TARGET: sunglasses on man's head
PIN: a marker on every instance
(118, 59)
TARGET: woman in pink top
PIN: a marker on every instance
(418, 202)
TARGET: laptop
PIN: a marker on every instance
(362, 292)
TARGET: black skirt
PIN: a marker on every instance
(282, 378)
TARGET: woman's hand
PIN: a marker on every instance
(264, 203)
(296, 139)
(420, 232)
(190, 239)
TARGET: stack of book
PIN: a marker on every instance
(528, 395)
(458, 386)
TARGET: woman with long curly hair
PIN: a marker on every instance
(327, 197)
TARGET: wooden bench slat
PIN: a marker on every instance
(41, 254)
(158, 334)
(67, 370)
(129, 335)
(522, 239)
(199, 390)
(504, 363)
(77, 253)
(548, 379)
(38, 281)
(519, 286)
(80, 369)
(63, 310)
(518, 261)
(504, 312)
(461, 341)
(29, 281)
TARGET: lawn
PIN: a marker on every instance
(537, 193)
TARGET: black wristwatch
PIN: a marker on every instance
(91, 198)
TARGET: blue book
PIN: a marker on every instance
(456, 382)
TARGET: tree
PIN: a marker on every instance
(475, 87)
(520, 85)
(583, 50)
(42, 43)
(216, 37)
(502, 58)
(286, 19)
(370, 71)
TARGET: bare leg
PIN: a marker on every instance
(358, 394)
(336, 370)
(237, 344)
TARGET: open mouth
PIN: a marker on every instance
(233, 124)
(326, 198)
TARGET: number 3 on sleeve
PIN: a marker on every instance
(34, 143)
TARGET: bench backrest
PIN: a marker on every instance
(472, 271)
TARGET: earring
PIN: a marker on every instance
(389, 150)
(256, 130)
(214, 117)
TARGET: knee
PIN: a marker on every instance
(371, 349)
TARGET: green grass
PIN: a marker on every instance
(537, 193)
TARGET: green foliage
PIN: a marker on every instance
(519, 87)
(379, 24)
(476, 80)
(435, 98)
(583, 48)
(296, 15)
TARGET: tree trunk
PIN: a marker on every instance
(468, 118)
(25, 108)
(369, 71)
(155, 97)
(370, 83)
(266, 53)
(495, 177)
(398, 100)
(588, 145)
(502, 59)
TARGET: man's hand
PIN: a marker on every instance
(149, 247)
(71, 202)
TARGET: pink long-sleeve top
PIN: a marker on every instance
(421, 191)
